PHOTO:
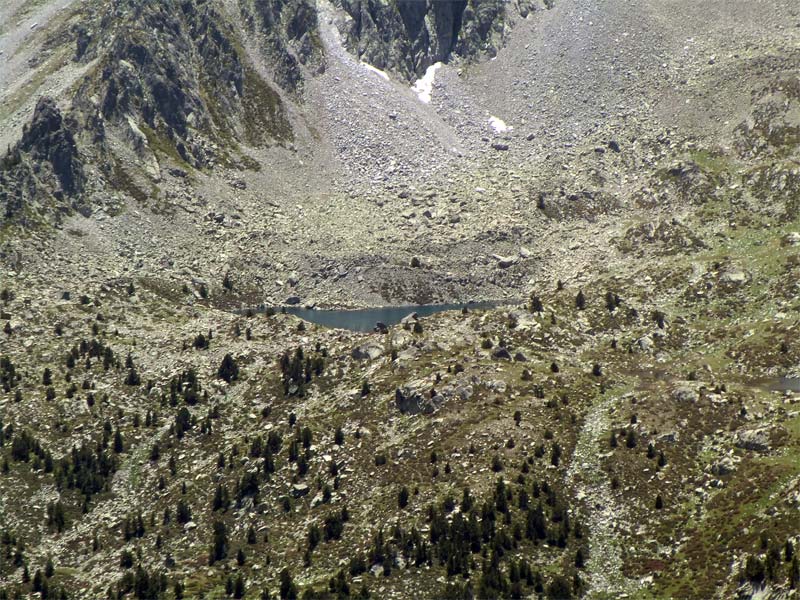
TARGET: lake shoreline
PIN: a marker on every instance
(367, 319)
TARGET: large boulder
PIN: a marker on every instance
(300, 489)
(757, 440)
(501, 354)
(414, 399)
(724, 466)
(504, 262)
(368, 351)
(684, 393)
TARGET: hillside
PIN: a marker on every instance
(626, 178)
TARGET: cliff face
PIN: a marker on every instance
(408, 36)
(190, 83)
(290, 37)
(44, 164)
(181, 71)
(164, 79)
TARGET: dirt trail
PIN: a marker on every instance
(601, 513)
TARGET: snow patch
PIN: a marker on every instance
(499, 125)
(424, 87)
(369, 67)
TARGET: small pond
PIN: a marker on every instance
(366, 318)
(785, 384)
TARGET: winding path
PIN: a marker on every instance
(600, 513)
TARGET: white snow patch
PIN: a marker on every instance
(499, 125)
(424, 87)
(369, 67)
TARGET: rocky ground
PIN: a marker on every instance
(199, 157)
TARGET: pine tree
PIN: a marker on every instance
(219, 543)
(288, 589)
(579, 558)
(580, 300)
(119, 445)
(402, 497)
(238, 587)
(228, 370)
(630, 438)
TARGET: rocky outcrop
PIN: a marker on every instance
(368, 351)
(757, 440)
(413, 399)
(290, 35)
(43, 173)
(409, 36)
(178, 71)
(773, 127)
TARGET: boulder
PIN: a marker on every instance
(410, 400)
(368, 351)
(464, 392)
(497, 385)
(299, 490)
(400, 338)
(504, 262)
(754, 439)
(792, 239)
(684, 394)
(724, 466)
(501, 354)
(734, 276)
(409, 319)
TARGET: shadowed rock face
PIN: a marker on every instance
(172, 78)
(43, 165)
(410, 35)
(291, 37)
(48, 139)
(188, 81)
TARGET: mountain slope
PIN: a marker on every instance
(626, 177)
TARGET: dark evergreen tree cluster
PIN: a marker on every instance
(478, 542)
(298, 369)
(9, 377)
(229, 369)
(186, 386)
(775, 564)
(141, 583)
(87, 469)
(94, 350)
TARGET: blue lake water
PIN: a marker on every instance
(784, 384)
(365, 319)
